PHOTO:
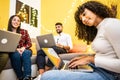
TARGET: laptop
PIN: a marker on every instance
(8, 41)
(61, 65)
(46, 41)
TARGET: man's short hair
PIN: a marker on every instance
(58, 23)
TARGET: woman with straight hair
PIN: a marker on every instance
(21, 58)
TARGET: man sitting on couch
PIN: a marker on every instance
(63, 44)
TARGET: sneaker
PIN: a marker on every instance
(38, 77)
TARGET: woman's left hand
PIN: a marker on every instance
(21, 50)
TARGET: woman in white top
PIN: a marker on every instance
(94, 24)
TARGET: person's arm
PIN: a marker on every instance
(69, 43)
(112, 33)
(63, 46)
(83, 60)
(66, 47)
(27, 43)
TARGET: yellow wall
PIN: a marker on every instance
(63, 11)
(53, 11)
(4, 13)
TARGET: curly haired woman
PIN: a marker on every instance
(96, 25)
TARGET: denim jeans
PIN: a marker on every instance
(98, 74)
(21, 63)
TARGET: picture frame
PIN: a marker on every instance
(27, 13)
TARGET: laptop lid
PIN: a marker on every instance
(54, 58)
(46, 41)
(8, 41)
(60, 64)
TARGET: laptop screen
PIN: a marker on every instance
(46, 41)
(8, 41)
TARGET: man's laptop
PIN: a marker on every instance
(60, 64)
(46, 41)
(8, 41)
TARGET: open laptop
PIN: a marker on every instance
(8, 41)
(46, 41)
(60, 64)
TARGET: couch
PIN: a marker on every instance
(9, 74)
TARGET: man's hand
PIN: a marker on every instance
(59, 45)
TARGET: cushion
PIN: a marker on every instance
(33, 48)
(78, 48)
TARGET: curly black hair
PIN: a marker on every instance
(88, 33)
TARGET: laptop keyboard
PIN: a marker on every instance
(85, 68)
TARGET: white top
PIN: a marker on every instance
(64, 39)
(107, 45)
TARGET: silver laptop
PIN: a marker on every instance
(46, 41)
(63, 65)
(8, 41)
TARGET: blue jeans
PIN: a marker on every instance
(21, 63)
(98, 74)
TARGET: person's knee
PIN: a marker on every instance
(41, 53)
(27, 53)
(46, 76)
(50, 75)
(15, 55)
